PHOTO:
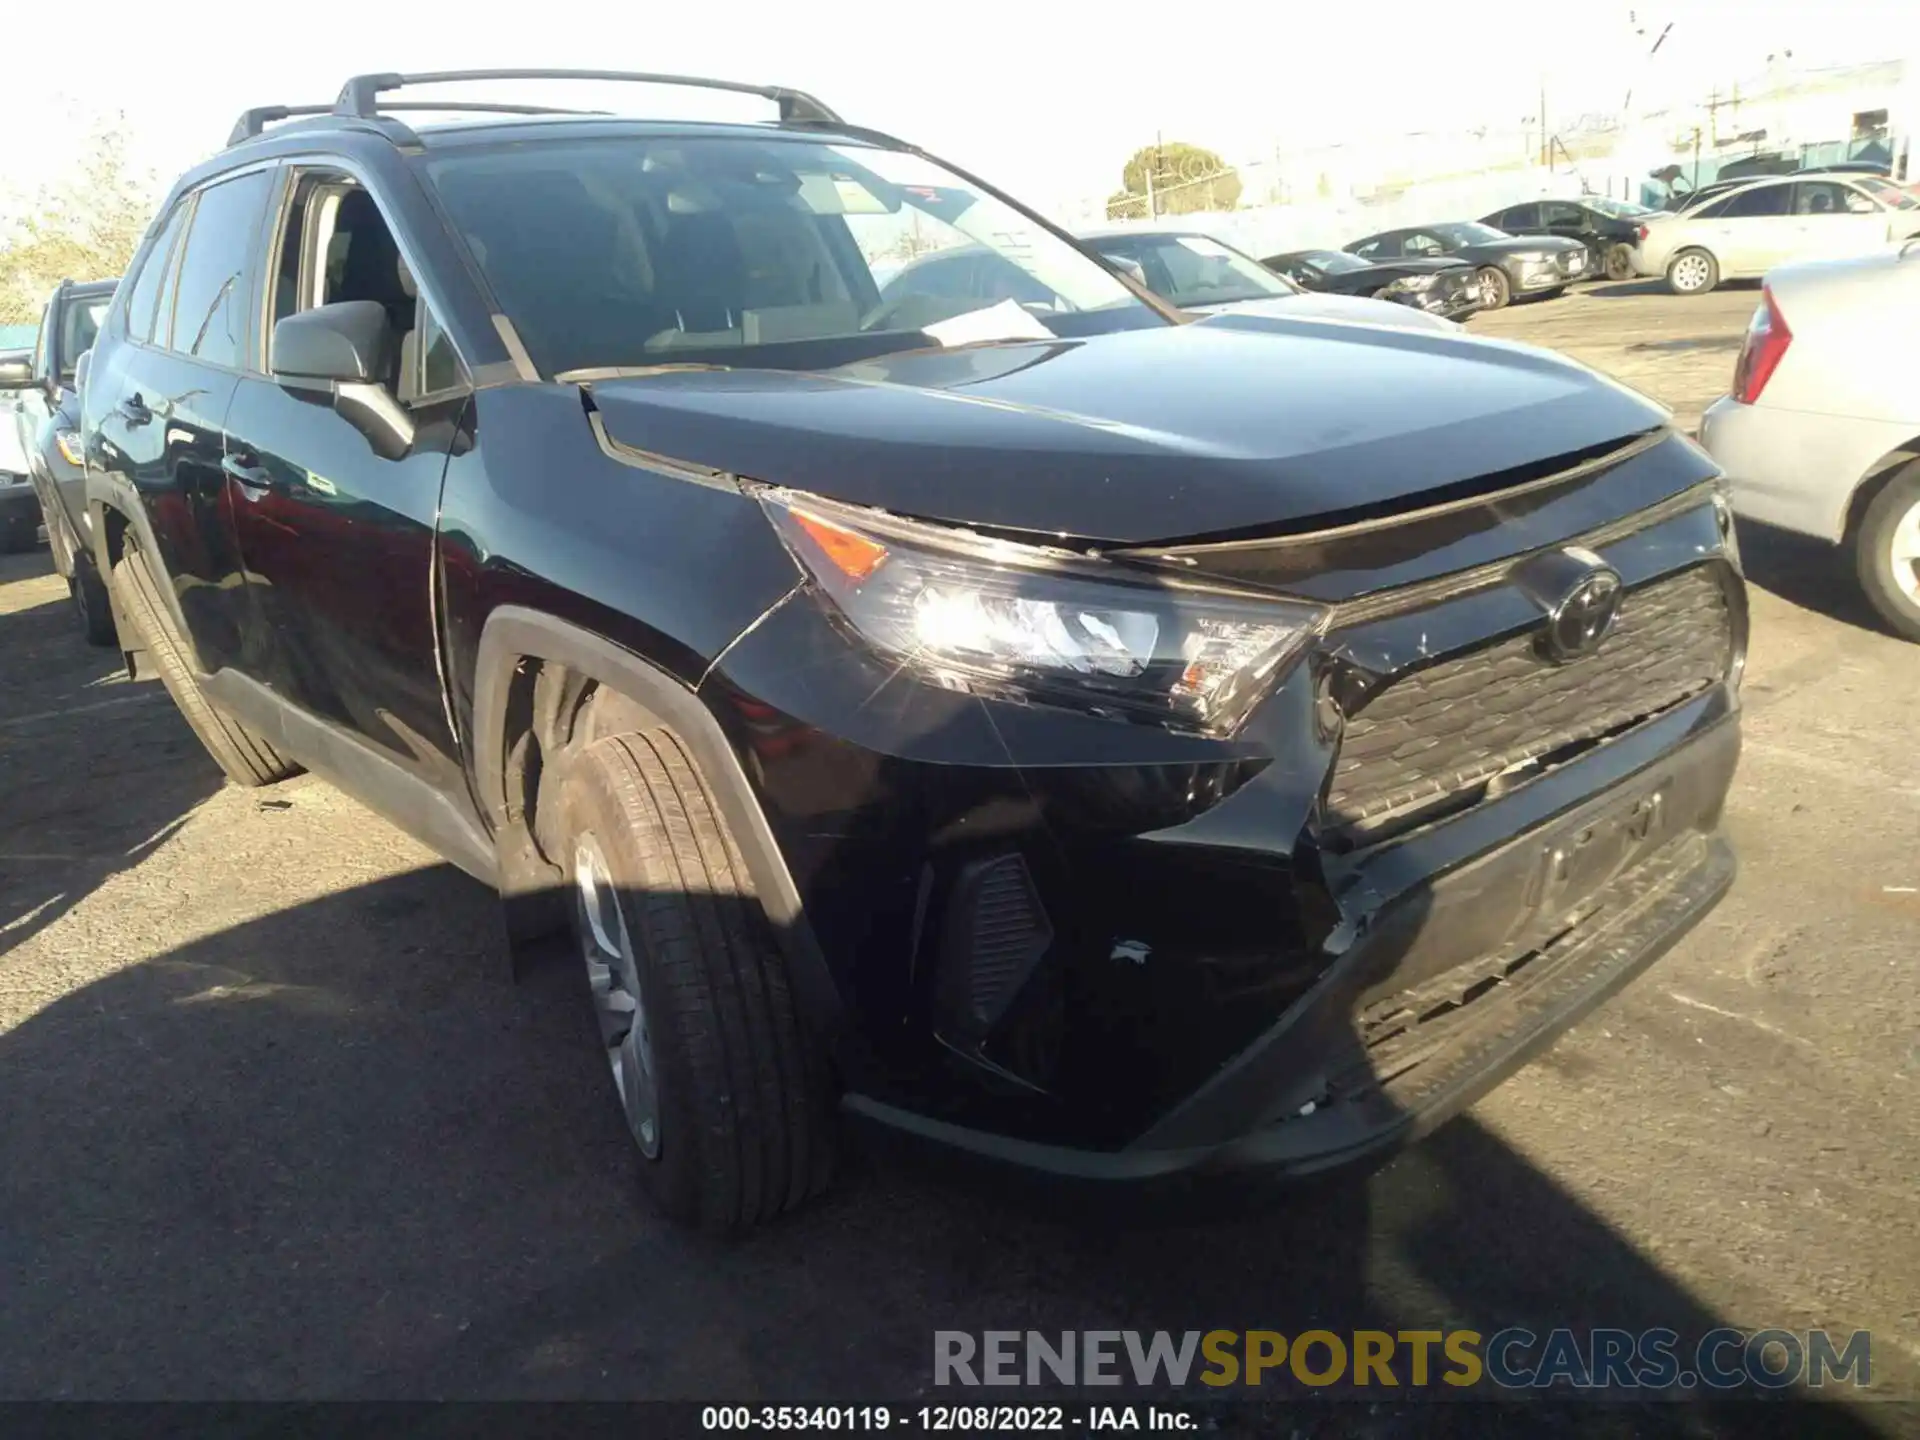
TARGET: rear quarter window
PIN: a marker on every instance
(145, 289)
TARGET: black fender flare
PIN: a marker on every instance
(514, 634)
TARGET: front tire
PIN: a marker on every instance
(245, 758)
(1495, 289)
(724, 1096)
(19, 535)
(1692, 272)
(1887, 553)
(92, 607)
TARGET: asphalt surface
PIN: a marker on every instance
(274, 1123)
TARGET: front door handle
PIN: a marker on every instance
(134, 410)
(251, 476)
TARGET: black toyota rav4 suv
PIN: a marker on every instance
(1119, 744)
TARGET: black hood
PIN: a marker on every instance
(1234, 423)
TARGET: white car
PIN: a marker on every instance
(1744, 233)
(1821, 434)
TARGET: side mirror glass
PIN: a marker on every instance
(16, 369)
(80, 369)
(344, 348)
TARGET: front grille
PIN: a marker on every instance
(1439, 734)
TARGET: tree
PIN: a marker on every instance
(83, 226)
(1186, 178)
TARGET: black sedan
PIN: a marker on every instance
(1445, 287)
(1509, 265)
(1606, 227)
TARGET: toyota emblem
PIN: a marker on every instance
(1581, 594)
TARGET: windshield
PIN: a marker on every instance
(757, 251)
(1618, 209)
(1195, 270)
(1470, 232)
(1886, 193)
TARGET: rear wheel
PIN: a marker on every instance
(1619, 262)
(723, 1094)
(1495, 289)
(1887, 553)
(246, 758)
(1692, 272)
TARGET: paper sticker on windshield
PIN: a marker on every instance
(856, 199)
(1200, 245)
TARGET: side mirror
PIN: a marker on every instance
(1130, 267)
(343, 347)
(80, 369)
(16, 370)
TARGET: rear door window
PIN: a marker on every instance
(1759, 202)
(216, 270)
(1561, 215)
(1520, 217)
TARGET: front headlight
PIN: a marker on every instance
(1412, 284)
(1023, 622)
(68, 442)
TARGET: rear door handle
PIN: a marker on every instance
(134, 410)
(250, 474)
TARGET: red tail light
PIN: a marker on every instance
(1767, 341)
(1640, 233)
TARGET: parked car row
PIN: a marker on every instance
(1747, 230)
(1033, 716)
(19, 507)
(46, 431)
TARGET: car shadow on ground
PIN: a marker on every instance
(66, 710)
(325, 1154)
(1806, 572)
(1627, 289)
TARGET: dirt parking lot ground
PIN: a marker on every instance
(275, 1123)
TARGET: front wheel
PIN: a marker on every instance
(19, 535)
(724, 1095)
(1887, 553)
(1495, 289)
(91, 606)
(1692, 272)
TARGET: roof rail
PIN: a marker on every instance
(253, 122)
(360, 96)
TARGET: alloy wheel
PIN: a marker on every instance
(613, 974)
(1905, 553)
(1690, 272)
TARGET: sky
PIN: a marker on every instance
(1047, 99)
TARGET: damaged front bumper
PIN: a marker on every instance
(1456, 983)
